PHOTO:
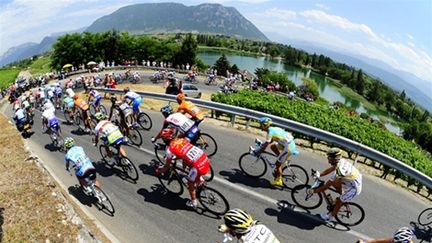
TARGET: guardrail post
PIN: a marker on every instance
(233, 117)
(212, 113)
(248, 121)
(356, 158)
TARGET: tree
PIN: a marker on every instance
(359, 85)
(234, 69)
(187, 51)
(222, 65)
(310, 86)
(402, 95)
(281, 78)
(260, 72)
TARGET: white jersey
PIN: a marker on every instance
(105, 128)
(50, 93)
(180, 121)
(49, 106)
(70, 92)
(259, 234)
(48, 114)
(131, 95)
(19, 114)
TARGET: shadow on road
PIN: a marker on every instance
(1, 224)
(50, 147)
(422, 233)
(79, 132)
(236, 176)
(158, 195)
(89, 201)
(148, 168)
(105, 170)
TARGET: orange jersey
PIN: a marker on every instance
(192, 156)
(81, 104)
(191, 109)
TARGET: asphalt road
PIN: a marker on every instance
(144, 213)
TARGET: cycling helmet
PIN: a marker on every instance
(180, 97)
(238, 221)
(403, 235)
(166, 110)
(75, 97)
(265, 121)
(334, 153)
(168, 133)
(69, 142)
(126, 90)
(113, 98)
(99, 116)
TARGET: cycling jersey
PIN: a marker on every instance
(192, 156)
(259, 234)
(25, 104)
(94, 93)
(131, 95)
(49, 106)
(58, 91)
(50, 118)
(277, 134)
(108, 132)
(180, 121)
(136, 100)
(348, 174)
(70, 92)
(19, 115)
(191, 109)
(50, 93)
(82, 104)
(69, 102)
(77, 157)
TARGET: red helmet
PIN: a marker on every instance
(168, 133)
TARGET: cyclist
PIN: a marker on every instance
(184, 125)
(50, 122)
(48, 105)
(345, 178)
(241, 225)
(70, 92)
(84, 169)
(193, 157)
(58, 94)
(50, 93)
(109, 134)
(96, 97)
(83, 106)
(402, 235)
(136, 76)
(281, 143)
(19, 118)
(136, 100)
(189, 108)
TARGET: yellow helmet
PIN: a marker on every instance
(238, 221)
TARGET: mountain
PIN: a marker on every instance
(149, 18)
(420, 91)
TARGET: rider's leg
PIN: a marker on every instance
(192, 178)
(274, 147)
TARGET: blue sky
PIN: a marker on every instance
(398, 32)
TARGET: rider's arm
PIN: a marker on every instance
(165, 125)
(167, 164)
(328, 171)
(263, 147)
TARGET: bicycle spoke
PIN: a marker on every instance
(213, 201)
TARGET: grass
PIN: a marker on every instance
(7, 76)
(40, 66)
(29, 211)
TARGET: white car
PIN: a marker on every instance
(191, 90)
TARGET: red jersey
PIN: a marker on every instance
(191, 155)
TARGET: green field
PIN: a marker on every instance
(40, 66)
(7, 76)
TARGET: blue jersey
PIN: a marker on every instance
(77, 157)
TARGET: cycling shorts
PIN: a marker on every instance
(192, 134)
(53, 123)
(70, 104)
(89, 173)
(97, 100)
(287, 151)
(136, 102)
(349, 193)
(195, 176)
(85, 170)
(59, 95)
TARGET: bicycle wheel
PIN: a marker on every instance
(209, 176)
(67, 117)
(144, 121)
(212, 200)
(102, 109)
(307, 201)
(252, 166)
(92, 109)
(135, 137)
(160, 152)
(171, 182)
(103, 200)
(79, 122)
(293, 175)
(129, 168)
(350, 214)
(425, 217)
(103, 153)
(207, 143)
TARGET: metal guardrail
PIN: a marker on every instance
(300, 128)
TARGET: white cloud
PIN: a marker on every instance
(342, 34)
(96, 10)
(322, 6)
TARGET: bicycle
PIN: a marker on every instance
(425, 217)
(159, 150)
(144, 121)
(256, 166)
(67, 114)
(174, 182)
(103, 200)
(56, 139)
(350, 214)
(93, 108)
(125, 124)
(211, 81)
(122, 161)
(91, 121)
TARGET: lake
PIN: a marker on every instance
(327, 88)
